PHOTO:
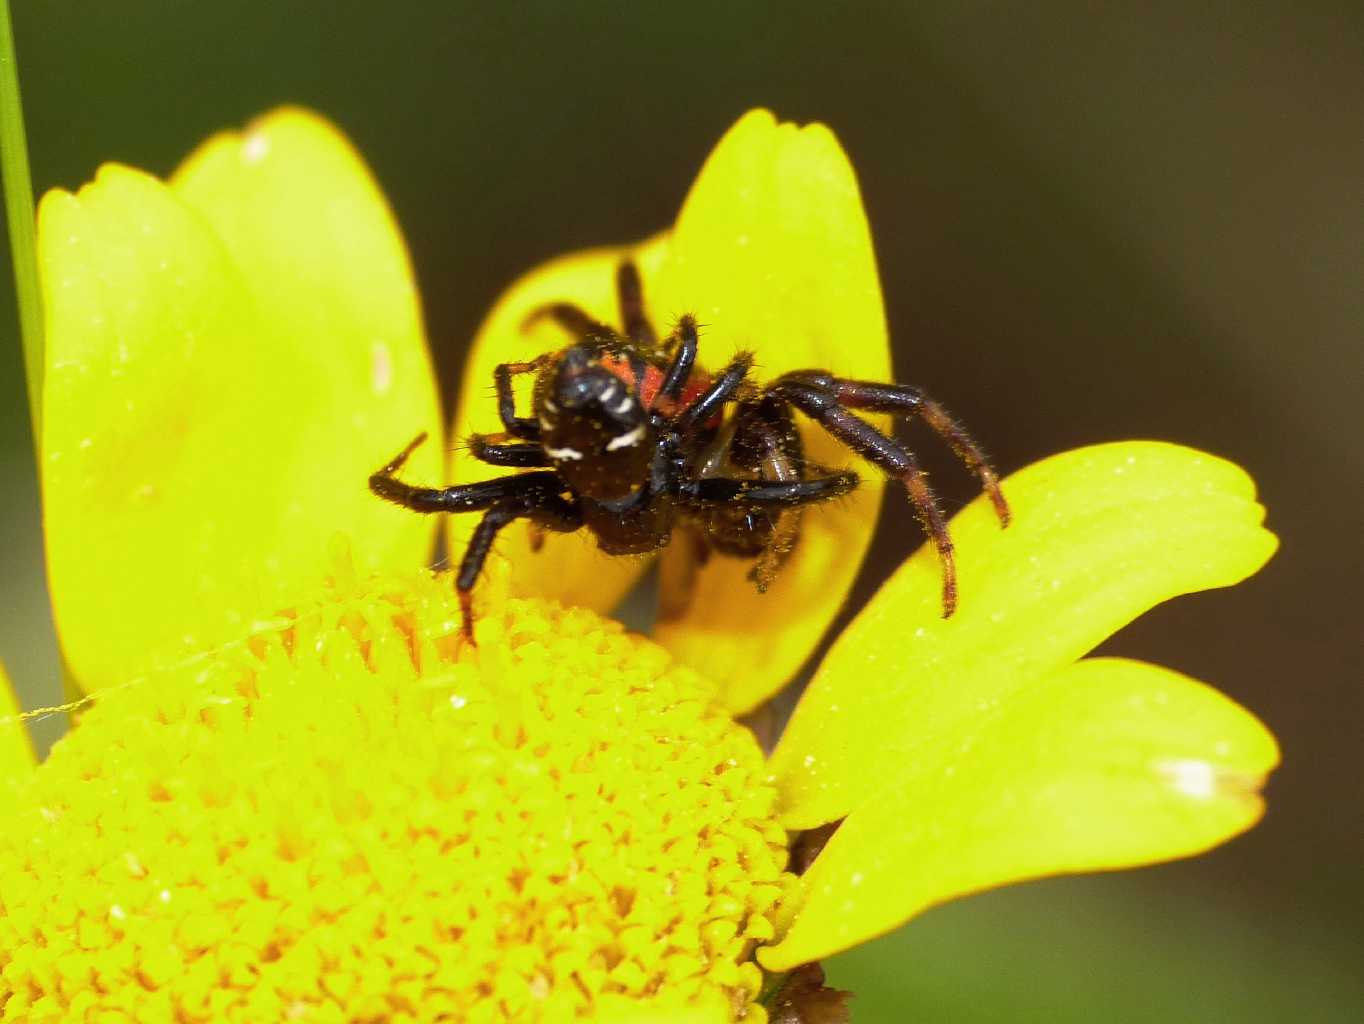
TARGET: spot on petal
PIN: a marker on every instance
(382, 368)
(256, 148)
(1203, 780)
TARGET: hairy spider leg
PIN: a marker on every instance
(384, 476)
(490, 448)
(534, 496)
(786, 498)
(461, 497)
(584, 329)
(723, 389)
(523, 427)
(720, 490)
(822, 405)
(545, 510)
(684, 359)
(630, 295)
(907, 401)
(570, 318)
(779, 460)
(493, 449)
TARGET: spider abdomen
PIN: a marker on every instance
(646, 379)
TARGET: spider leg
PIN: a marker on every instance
(570, 318)
(545, 510)
(904, 400)
(630, 295)
(534, 496)
(782, 502)
(396, 463)
(712, 400)
(773, 433)
(761, 441)
(472, 563)
(490, 448)
(473, 497)
(823, 406)
(522, 427)
(766, 494)
(684, 359)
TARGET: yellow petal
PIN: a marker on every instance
(16, 751)
(1099, 765)
(228, 359)
(566, 567)
(1099, 536)
(773, 254)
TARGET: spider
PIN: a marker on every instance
(632, 439)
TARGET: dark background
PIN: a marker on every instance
(1092, 224)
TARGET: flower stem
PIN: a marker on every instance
(19, 213)
(18, 186)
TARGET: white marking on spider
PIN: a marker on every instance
(625, 403)
(626, 440)
(546, 423)
(564, 453)
(550, 406)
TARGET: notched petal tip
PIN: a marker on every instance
(65, 218)
(287, 132)
(772, 250)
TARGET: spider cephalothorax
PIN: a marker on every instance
(631, 439)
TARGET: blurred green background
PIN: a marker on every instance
(1093, 223)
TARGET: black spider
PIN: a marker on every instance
(632, 439)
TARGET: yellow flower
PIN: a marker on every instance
(298, 793)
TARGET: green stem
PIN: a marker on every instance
(19, 212)
(18, 185)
